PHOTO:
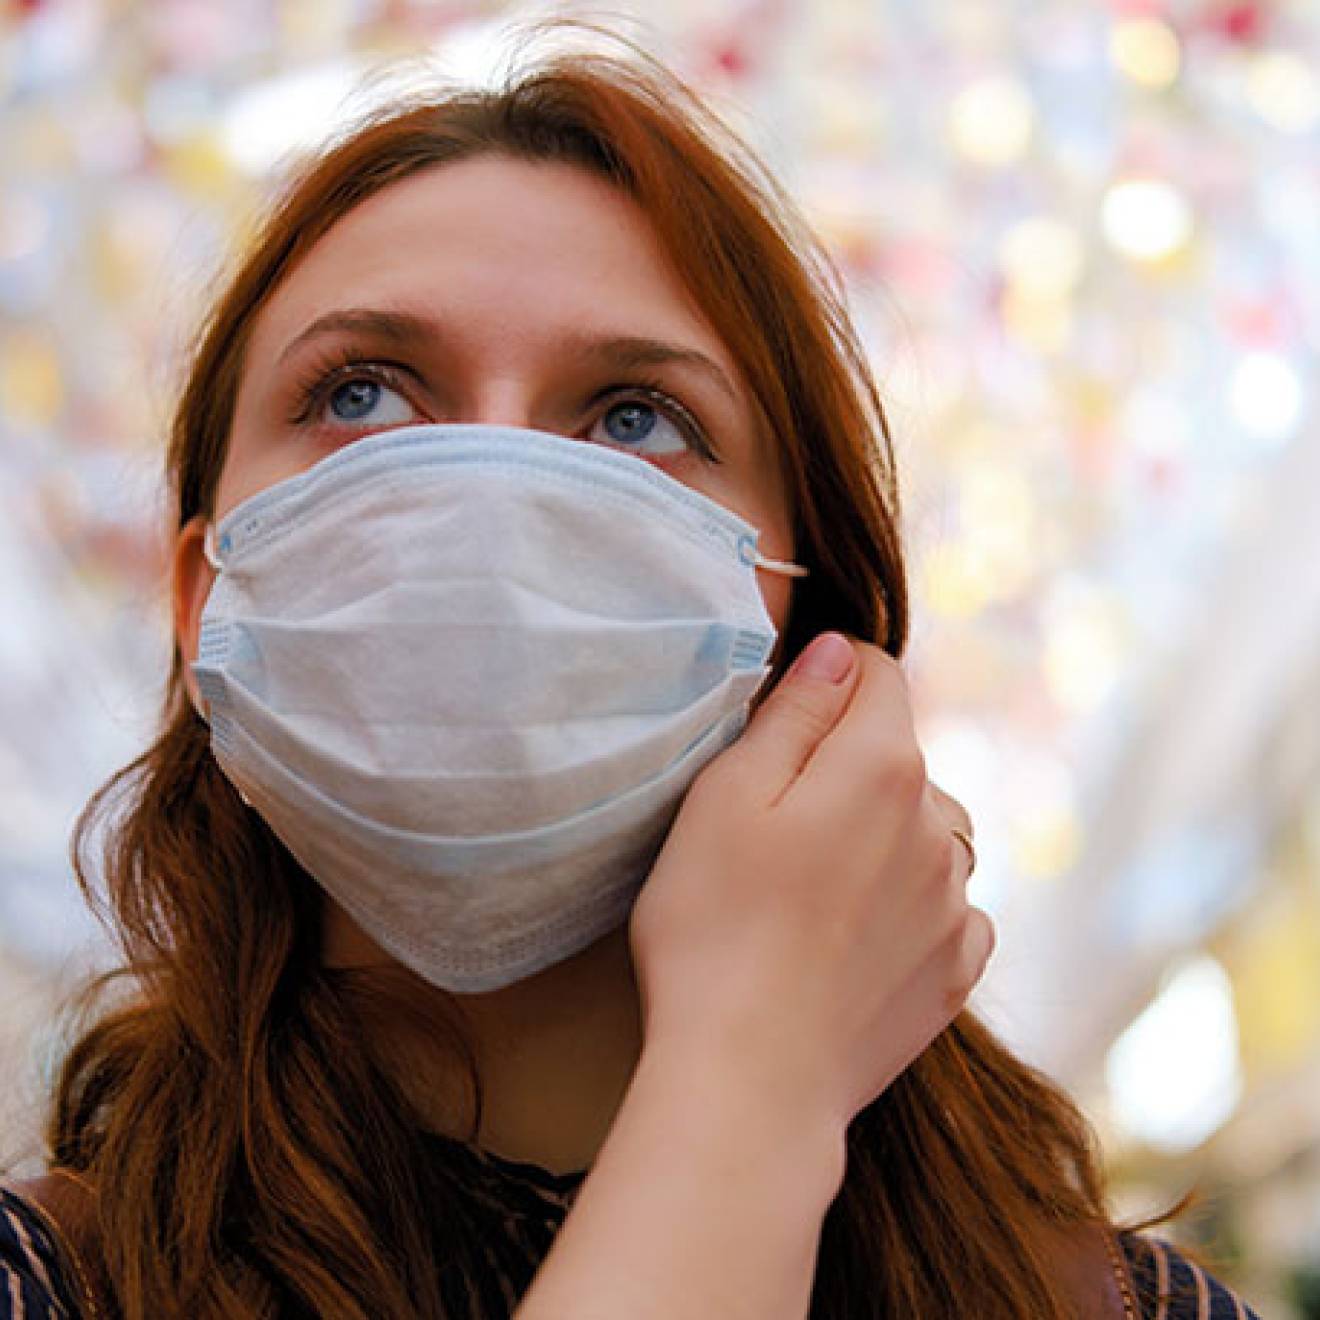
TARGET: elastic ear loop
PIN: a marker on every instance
(781, 566)
(213, 558)
(209, 550)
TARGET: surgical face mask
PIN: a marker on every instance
(466, 674)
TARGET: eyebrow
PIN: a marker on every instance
(619, 352)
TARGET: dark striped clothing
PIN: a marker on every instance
(34, 1283)
(525, 1205)
(1171, 1287)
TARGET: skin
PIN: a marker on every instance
(511, 309)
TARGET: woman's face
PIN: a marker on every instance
(493, 291)
(490, 291)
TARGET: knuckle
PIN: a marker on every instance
(902, 775)
(954, 915)
(882, 668)
(975, 949)
(934, 871)
(877, 658)
(969, 974)
(987, 937)
(954, 810)
(954, 931)
(942, 847)
(954, 1000)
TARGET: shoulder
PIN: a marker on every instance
(1172, 1286)
(33, 1281)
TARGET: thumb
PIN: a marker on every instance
(805, 705)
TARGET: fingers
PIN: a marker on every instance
(966, 850)
(871, 754)
(978, 946)
(803, 709)
(959, 824)
(953, 809)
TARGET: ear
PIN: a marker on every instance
(192, 580)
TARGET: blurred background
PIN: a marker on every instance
(1083, 242)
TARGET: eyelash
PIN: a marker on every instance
(313, 388)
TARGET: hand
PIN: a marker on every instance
(806, 930)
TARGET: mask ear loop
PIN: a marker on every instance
(753, 558)
(212, 558)
(209, 550)
(781, 566)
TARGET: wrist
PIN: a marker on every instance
(707, 1198)
(727, 1117)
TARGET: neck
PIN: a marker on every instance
(555, 1052)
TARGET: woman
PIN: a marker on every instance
(529, 448)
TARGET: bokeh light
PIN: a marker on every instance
(1146, 219)
(1146, 49)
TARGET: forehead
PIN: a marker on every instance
(528, 241)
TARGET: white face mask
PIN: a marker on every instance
(466, 674)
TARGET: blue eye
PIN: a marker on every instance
(358, 399)
(639, 426)
(355, 400)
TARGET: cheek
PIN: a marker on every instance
(248, 470)
(755, 498)
(776, 592)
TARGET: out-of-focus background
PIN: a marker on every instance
(1083, 242)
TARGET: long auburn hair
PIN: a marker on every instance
(254, 1154)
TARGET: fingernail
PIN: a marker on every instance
(829, 657)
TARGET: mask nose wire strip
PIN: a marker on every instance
(208, 549)
(780, 566)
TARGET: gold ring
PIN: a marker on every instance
(971, 847)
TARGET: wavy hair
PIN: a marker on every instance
(254, 1153)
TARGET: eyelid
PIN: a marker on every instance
(314, 387)
(679, 413)
(347, 362)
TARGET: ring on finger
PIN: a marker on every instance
(966, 840)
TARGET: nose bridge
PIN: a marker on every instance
(504, 398)
(506, 374)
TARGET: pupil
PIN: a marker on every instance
(630, 422)
(354, 399)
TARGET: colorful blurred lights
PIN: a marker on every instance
(289, 114)
(1265, 395)
(1042, 261)
(1043, 257)
(24, 226)
(1284, 91)
(1157, 425)
(1042, 803)
(997, 509)
(991, 121)
(1145, 219)
(31, 382)
(956, 582)
(1048, 843)
(1086, 647)
(1174, 1075)
(1146, 50)
(1042, 324)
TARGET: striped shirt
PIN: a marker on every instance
(527, 1204)
(34, 1281)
